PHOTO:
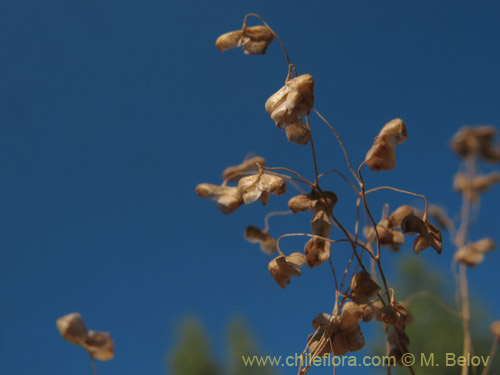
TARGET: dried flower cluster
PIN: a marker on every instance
(367, 294)
(98, 344)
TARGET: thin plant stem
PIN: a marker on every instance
(313, 153)
(493, 351)
(271, 214)
(404, 192)
(303, 179)
(341, 175)
(92, 362)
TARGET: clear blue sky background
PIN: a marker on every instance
(111, 112)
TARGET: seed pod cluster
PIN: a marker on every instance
(386, 229)
(234, 173)
(476, 141)
(98, 344)
(288, 105)
(260, 187)
(228, 198)
(382, 155)
(472, 187)
(428, 234)
(253, 40)
(473, 253)
(256, 235)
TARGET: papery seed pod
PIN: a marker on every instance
(388, 236)
(473, 253)
(370, 309)
(340, 344)
(472, 187)
(234, 173)
(260, 186)
(99, 345)
(253, 40)
(382, 156)
(318, 344)
(282, 271)
(72, 328)
(351, 315)
(363, 288)
(320, 224)
(317, 251)
(321, 321)
(470, 141)
(399, 214)
(228, 198)
(429, 235)
(387, 315)
(296, 259)
(255, 235)
(354, 337)
(289, 104)
(495, 329)
(314, 201)
(485, 245)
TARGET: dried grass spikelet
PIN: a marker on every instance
(289, 104)
(283, 268)
(428, 234)
(255, 235)
(473, 253)
(260, 187)
(320, 224)
(234, 173)
(472, 187)
(72, 328)
(495, 329)
(476, 141)
(99, 345)
(228, 198)
(315, 201)
(363, 288)
(253, 40)
(317, 251)
(382, 155)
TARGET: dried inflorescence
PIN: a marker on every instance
(234, 173)
(386, 229)
(253, 40)
(314, 201)
(428, 234)
(98, 344)
(292, 102)
(317, 251)
(473, 253)
(476, 141)
(382, 155)
(473, 186)
(228, 198)
(256, 235)
(283, 268)
(260, 187)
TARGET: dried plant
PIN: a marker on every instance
(360, 294)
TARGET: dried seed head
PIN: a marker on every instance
(352, 313)
(473, 253)
(296, 259)
(234, 173)
(322, 321)
(72, 328)
(282, 270)
(255, 235)
(370, 309)
(314, 201)
(387, 315)
(387, 236)
(317, 251)
(253, 40)
(260, 186)
(399, 214)
(228, 198)
(429, 235)
(469, 141)
(472, 187)
(363, 288)
(320, 224)
(340, 345)
(495, 329)
(99, 345)
(354, 338)
(289, 104)
(382, 156)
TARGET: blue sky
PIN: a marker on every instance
(111, 112)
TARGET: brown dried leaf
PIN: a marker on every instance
(255, 235)
(234, 173)
(99, 345)
(72, 328)
(363, 288)
(317, 251)
(228, 198)
(260, 186)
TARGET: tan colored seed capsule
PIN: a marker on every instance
(234, 173)
(99, 345)
(256, 235)
(228, 198)
(382, 155)
(317, 251)
(282, 270)
(260, 187)
(72, 328)
(429, 235)
(363, 288)
(253, 40)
